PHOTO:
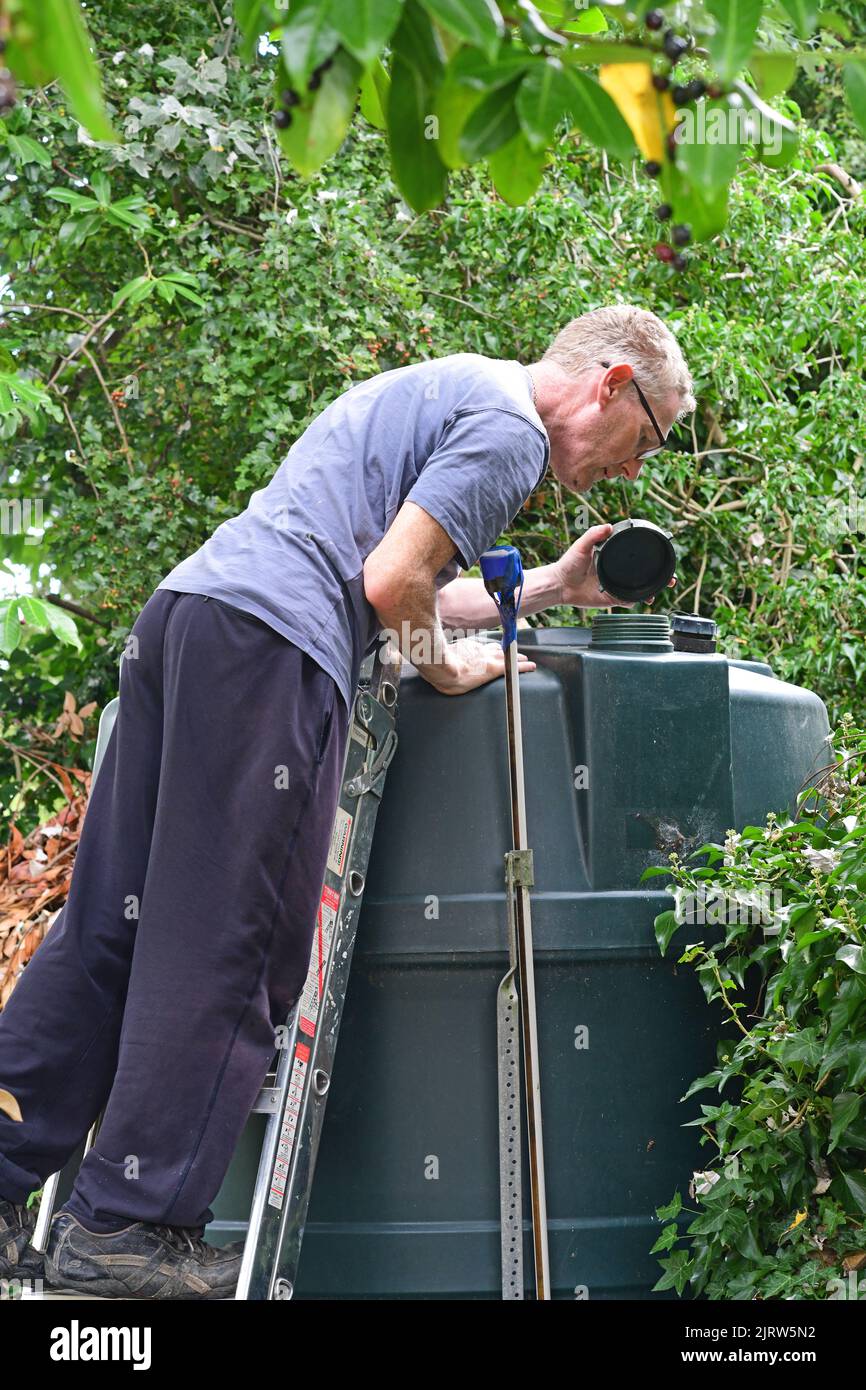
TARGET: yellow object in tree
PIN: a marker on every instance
(650, 114)
(10, 1106)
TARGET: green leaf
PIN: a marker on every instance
(365, 26)
(33, 611)
(856, 1064)
(672, 1210)
(74, 200)
(597, 116)
(517, 169)
(134, 290)
(666, 1240)
(477, 22)
(249, 17)
(10, 625)
(308, 37)
(65, 46)
(319, 125)
(709, 163)
(455, 101)
(775, 130)
(854, 957)
(543, 99)
(375, 85)
(416, 71)
(63, 626)
(845, 1108)
(773, 72)
(803, 13)
(737, 24)
(854, 77)
(856, 1185)
(676, 1272)
(26, 150)
(666, 925)
(493, 122)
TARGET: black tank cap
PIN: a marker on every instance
(636, 561)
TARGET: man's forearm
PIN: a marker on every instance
(465, 603)
(418, 632)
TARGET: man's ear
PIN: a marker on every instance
(614, 380)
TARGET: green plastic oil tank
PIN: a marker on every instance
(631, 750)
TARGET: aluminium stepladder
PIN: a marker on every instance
(294, 1095)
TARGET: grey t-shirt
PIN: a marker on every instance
(459, 436)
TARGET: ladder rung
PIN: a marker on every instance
(268, 1101)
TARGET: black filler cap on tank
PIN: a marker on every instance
(636, 561)
(689, 633)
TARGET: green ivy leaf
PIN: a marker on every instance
(845, 1108)
(666, 925)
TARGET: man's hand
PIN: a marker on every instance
(576, 573)
(471, 663)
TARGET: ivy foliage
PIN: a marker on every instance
(780, 1207)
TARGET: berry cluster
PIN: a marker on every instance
(7, 83)
(674, 46)
(289, 97)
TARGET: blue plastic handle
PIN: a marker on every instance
(502, 572)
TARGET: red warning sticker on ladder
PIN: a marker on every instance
(311, 994)
(288, 1133)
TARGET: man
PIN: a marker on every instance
(186, 936)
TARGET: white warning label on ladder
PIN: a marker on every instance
(289, 1130)
(339, 842)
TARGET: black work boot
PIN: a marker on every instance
(18, 1259)
(141, 1261)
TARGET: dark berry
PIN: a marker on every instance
(660, 82)
(652, 168)
(289, 97)
(696, 88)
(715, 91)
(664, 212)
(282, 119)
(680, 261)
(682, 234)
(654, 20)
(681, 95)
(315, 82)
(663, 251)
(674, 46)
(672, 146)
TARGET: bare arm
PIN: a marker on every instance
(465, 603)
(399, 582)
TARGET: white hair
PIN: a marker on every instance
(620, 333)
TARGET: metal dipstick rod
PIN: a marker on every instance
(502, 571)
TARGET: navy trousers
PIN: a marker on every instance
(186, 935)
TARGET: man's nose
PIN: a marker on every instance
(631, 469)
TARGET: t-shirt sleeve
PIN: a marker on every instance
(478, 477)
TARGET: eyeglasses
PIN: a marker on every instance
(662, 438)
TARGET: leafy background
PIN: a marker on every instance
(203, 303)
